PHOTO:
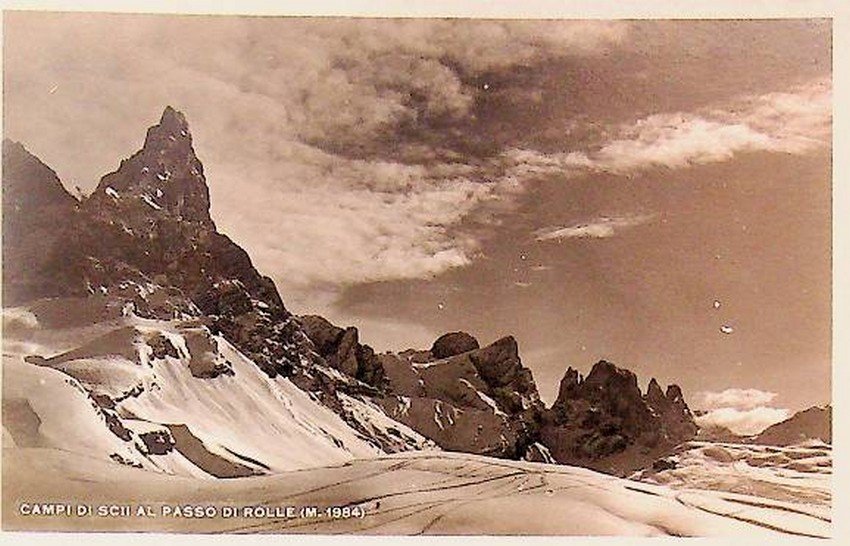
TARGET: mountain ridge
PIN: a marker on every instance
(145, 239)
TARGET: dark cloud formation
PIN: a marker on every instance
(319, 136)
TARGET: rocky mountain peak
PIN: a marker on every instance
(605, 422)
(342, 350)
(148, 225)
(654, 395)
(674, 394)
(172, 123)
(606, 376)
(164, 176)
(170, 136)
(569, 385)
(172, 119)
(38, 214)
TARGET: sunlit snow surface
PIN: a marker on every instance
(407, 493)
(243, 420)
(58, 447)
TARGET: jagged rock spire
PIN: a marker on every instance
(654, 395)
(607, 417)
(165, 175)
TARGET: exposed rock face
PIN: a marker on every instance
(342, 350)
(538, 453)
(809, 424)
(605, 422)
(162, 347)
(146, 231)
(479, 401)
(164, 175)
(206, 361)
(38, 219)
(452, 344)
(654, 395)
(157, 442)
(677, 421)
(152, 214)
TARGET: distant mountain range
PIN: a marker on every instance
(180, 310)
(811, 423)
(814, 423)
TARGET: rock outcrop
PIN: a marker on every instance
(604, 421)
(461, 396)
(453, 343)
(482, 400)
(342, 350)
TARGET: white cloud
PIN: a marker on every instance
(598, 228)
(734, 398)
(797, 120)
(675, 141)
(340, 222)
(794, 121)
(746, 422)
(743, 411)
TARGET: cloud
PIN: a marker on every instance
(796, 121)
(675, 141)
(349, 83)
(599, 228)
(745, 422)
(743, 411)
(311, 131)
(735, 398)
(292, 119)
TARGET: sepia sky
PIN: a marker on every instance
(655, 193)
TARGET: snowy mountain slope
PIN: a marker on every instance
(136, 410)
(406, 493)
(46, 408)
(171, 397)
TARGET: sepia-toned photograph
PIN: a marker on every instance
(402, 276)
